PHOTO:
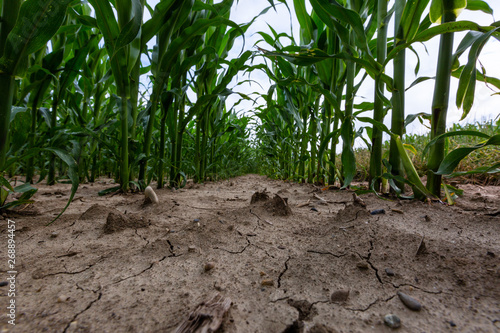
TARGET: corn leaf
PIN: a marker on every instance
(410, 19)
(130, 31)
(330, 10)
(72, 174)
(348, 158)
(451, 161)
(467, 83)
(437, 8)
(454, 133)
(479, 76)
(107, 24)
(481, 170)
(479, 5)
(419, 189)
(162, 12)
(37, 22)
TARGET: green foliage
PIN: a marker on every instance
(77, 110)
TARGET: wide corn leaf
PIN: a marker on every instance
(451, 161)
(37, 22)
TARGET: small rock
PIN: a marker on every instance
(262, 273)
(4, 283)
(377, 211)
(427, 218)
(490, 254)
(209, 266)
(339, 296)
(314, 209)
(410, 302)
(362, 265)
(218, 287)
(452, 324)
(267, 282)
(281, 247)
(191, 248)
(62, 299)
(392, 321)
(54, 234)
(389, 272)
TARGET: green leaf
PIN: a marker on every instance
(72, 174)
(454, 133)
(411, 117)
(479, 5)
(324, 144)
(348, 158)
(410, 20)
(3, 196)
(163, 10)
(15, 110)
(481, 170)
(419, 80)
(329, 11)
(107, 24)
(108, 191)
(479, 76)
(26, 187)
(451, 161)
(419, 189)
(37, 22)
(467, 83)
(438, 7)
(130, 30)
(4, 182)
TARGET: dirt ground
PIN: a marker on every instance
(300, 264)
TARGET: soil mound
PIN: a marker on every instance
(116, 221)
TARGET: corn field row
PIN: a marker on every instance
(74, 106)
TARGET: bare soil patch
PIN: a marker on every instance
(288, 262)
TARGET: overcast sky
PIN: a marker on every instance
(418, 99)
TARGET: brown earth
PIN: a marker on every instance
(113, 264)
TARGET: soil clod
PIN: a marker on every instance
(279, 206)
(207, 317)
(340, 296)
(267, 282)
(116, 221)
(363, 265)
(259, 196)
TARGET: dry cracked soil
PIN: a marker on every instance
(296, 258)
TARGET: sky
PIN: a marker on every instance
(418, 98)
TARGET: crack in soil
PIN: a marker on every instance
(283, 272)
(143, 271)
(71, 273)
(371, 304)
(279, 299)
(142, 237)
(327, 253)
(364, 309)
(76, 316)
(235, 252)
(264, 250)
